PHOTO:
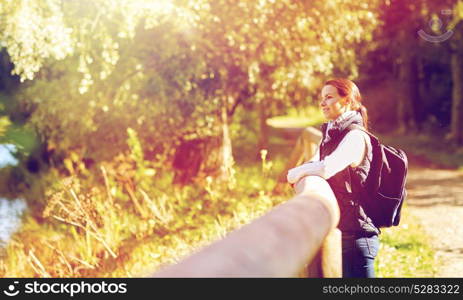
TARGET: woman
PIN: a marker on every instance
(343, 159)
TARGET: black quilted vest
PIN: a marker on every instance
(346, 184)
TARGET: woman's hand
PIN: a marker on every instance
(316, 168)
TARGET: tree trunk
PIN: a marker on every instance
(456, 130)
(226, 169)
(408, 93)
(419, 109)
(197, 159)
(407, 80)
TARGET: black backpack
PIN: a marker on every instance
(384, 192)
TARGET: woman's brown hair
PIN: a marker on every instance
(347, 88)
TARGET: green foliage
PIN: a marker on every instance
(143, 173)
(166, 68)
(33, 31)
(4, 123)
(25, 139)
(96, 226)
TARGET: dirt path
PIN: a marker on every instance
(435, 196)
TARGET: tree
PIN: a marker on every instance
(175, 72)
(398, 34)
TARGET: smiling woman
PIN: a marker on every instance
(343, 158)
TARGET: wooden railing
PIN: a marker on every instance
(304, 149)
(282, 243)
(295, 239)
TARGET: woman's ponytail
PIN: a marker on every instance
(364, 112)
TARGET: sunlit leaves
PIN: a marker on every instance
(33, 31)
(167, 68)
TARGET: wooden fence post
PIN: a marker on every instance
(328, 260)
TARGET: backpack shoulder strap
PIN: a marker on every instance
(374, 148)
(355, 126)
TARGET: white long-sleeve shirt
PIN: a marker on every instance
(350, 152)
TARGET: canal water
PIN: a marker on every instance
(11, 210)
(10, 218)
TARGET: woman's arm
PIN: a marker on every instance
(350, 152)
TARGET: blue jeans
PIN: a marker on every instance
(358, 256)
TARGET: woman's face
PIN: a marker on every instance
(331, 104)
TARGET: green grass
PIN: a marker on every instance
(310, 116)
(405, 251)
